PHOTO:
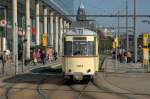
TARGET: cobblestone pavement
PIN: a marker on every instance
(128, 76)
(110, 65)
(9, 68)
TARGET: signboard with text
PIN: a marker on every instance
(145, 39)
(44, 40)
(145, 56)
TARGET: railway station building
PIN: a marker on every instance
(26, 21)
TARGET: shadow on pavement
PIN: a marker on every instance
(52, 76)
(44, 75)
(48, 70)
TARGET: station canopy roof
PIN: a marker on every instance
(57, 7)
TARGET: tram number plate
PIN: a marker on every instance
(79, 65)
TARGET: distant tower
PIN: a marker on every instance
(81, 15)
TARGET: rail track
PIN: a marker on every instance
(79, 90)
(82, 91)
(8, 87)
(41, 94)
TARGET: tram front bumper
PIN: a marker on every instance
(78, 76)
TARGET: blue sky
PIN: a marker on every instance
(113, 6)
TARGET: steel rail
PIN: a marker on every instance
(39, 90)
(82, 91)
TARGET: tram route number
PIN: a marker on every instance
(79, 65)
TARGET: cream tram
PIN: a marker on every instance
(81, 57)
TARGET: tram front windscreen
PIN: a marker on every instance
(80, 48)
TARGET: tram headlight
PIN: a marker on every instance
(89, 70)
(69, 70)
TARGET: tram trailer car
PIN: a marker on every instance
(81, 57)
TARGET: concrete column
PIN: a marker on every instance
(51, 29)
(15, 35)
(28, 29)
(68, 26)
(45, 20)
(61, 34)
(37, 22)
(65, 26)
(41, 30)
(56, 33)
(4, 44)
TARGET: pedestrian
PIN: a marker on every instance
(7, 53)
(55, 55)
(113, 55)
(129, 57)
(125, 57)
(3, 60)
(50, 54)
(34, 57)
(38, 55)
(43, 56)
(48, 51)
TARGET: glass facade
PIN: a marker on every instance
(63, 5)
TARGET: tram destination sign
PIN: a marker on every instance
(79, 38)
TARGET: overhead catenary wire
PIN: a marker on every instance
(100, 15)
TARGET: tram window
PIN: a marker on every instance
(68, 48)
(91, 48)
(79, 48)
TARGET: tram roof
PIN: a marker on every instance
(80, 31)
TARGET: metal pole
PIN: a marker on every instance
(118, 33)
(116, 53)
(117, 41)
(127, 25)
(16, 47)
(148, 58)
(52, 29)
(23, 54)
(135, 35)
(5, 16)
(4, 38)
(28, 29)
(37, 23)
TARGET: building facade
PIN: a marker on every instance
(30, 19)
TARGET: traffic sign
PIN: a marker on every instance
(3, 23)
(34, 30)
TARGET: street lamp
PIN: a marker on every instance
(21, 33)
